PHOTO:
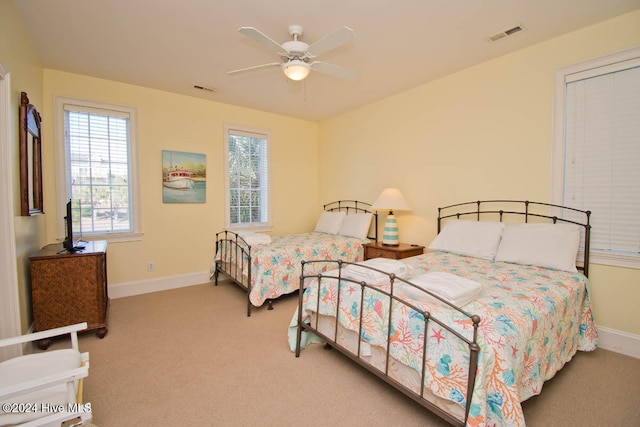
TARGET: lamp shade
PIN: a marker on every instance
(296, 69)
(390, 199)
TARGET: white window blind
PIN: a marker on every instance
(601, 157)
(247, 178)
(96, 164)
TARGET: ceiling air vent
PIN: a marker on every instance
(505, 33)
(204, 88)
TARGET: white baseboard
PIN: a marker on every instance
(140, 287)
(619, 341)
(608, 339)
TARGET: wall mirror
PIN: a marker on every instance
(30, 158)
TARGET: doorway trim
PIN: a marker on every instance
(9, 300)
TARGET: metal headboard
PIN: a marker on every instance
(355, 206)
(523, 208)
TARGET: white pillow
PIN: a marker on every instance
(356, 225)
(330, 222)
(543, 245)
(473, 238)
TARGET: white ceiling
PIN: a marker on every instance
(173, 45)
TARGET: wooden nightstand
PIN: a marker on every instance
(403, 250)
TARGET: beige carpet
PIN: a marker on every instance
(191, 357)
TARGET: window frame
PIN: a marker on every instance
(593, 67)
(62, 197)
(229, 129)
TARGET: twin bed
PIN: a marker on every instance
(269, 267)
(471, 328)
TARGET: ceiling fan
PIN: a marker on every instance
(297, 56)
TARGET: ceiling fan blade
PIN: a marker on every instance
(254, 68)
(334, 70)
(263, 39)
(331, 41)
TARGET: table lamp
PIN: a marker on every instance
(392, 200)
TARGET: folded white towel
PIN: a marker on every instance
(457, 290)
(363, 272)
(252, 238)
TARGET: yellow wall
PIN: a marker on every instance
(481, 133)
(180, 238)
(23, 64)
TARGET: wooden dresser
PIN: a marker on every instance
(68, 288)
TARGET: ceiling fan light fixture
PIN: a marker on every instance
(296, 69)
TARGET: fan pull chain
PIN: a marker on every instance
(304, 91)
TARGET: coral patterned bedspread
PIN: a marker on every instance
(533, 320)
(276, 268)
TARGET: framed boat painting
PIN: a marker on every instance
(184, 177)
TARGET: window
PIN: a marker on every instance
(596, 154)
(96, 164)
(247, 178)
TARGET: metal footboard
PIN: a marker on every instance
(233, 257)
(312, 326)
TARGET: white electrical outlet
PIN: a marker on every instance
(151, 266)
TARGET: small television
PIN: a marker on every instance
(69, 244)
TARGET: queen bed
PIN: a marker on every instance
(269, 267)
(471, 328)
